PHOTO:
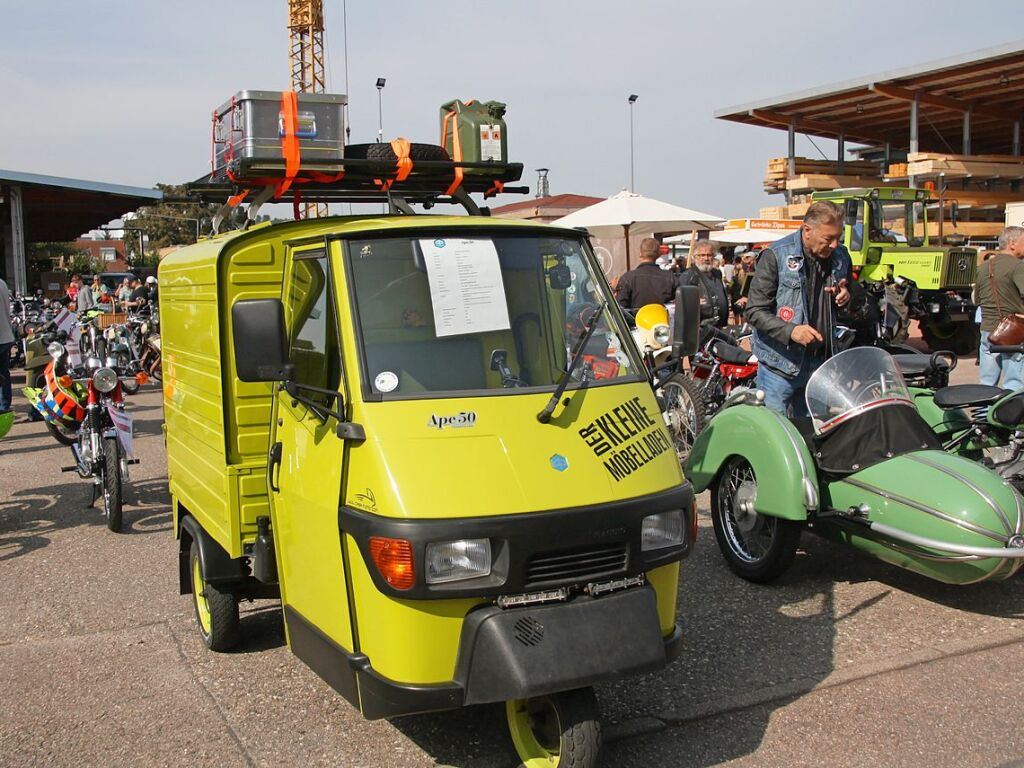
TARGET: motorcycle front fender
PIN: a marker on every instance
(787, 481)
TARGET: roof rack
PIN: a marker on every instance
(354, 180)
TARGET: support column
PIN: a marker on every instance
(18, 239)
(888, 158)
(841, 158)
(1016, 137)
(791, 168)
(914, 108)
(967, 132)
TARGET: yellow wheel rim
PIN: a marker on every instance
(199, 593)
(535, 730)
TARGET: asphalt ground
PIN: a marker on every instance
(845, 661)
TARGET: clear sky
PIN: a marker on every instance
(122, 90)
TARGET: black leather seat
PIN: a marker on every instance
(913, 366)
(728, 353)
(964, 395)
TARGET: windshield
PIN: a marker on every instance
(900, 222)
(450, 313)
(851, 383)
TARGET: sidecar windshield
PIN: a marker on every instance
(851, 383)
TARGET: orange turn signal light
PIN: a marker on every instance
(393, 558)
(65, 381)
(141, 377)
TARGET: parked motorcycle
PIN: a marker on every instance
(865, 469)
(84, 408)
(721, 365)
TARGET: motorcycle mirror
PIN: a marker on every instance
(686, 323)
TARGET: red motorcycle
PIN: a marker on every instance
(722, 364)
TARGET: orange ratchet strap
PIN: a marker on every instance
(497, 189)
(290, 141)
(456, 149)
(403, 165)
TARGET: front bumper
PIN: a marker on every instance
(509, 654)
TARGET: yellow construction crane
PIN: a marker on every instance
(306, 55)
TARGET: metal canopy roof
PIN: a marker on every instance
(56, 209)
(876, 110)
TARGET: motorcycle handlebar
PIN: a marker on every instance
(1011, 349)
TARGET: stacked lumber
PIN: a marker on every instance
(989, 166)
(818, 181)
(773, 212)
(897, 171)
(778, 170)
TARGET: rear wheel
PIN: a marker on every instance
(757, 547)
(216, 610)
(684, 412)
(560, 730)
(112, 488)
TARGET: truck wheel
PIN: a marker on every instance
(756, 547)
(962, 338)
(562, 730)
(216, 611)
(684, 412)
(112, 488)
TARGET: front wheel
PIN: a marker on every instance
(65, 435)
(961, 337)
(684, 412)
(216, 610)
(561, 730)
(36, 380)
(756, 547)
(112, 487)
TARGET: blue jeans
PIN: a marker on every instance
(785, 394)
(5, 376)
(993, 365)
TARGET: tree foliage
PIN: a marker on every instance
(43, 257)
(166, 224)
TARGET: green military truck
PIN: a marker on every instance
(886, 233)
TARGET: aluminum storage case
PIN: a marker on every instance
(248, 128)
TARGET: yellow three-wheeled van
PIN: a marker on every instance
(435, 440)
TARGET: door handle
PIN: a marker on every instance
(273, 460)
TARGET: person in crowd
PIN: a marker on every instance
(6, 342)
(97, 289)
(124, 292)
(798, 282)
(139, 295)
(714, 304)
(999, 290)
(153, 288)
(83, 294)
(647, 283)
(71, 289)
(727, 268)
(740, 287)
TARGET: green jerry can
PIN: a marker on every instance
(474, 131)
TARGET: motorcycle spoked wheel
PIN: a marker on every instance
(111, 486)
(64, 435)
(684, 412)
(130, 386)
(961, 338)
(560, 729)
(758, 548)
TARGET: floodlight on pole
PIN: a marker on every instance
(380, 109)
(632, 181)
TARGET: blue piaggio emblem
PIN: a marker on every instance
(439, 243)
(559, 462)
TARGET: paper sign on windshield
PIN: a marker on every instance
(73, 346)
(466, 288)
(65, 320)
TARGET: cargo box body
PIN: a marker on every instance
(217, 427)
(248, 128)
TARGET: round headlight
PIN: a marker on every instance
(55, 349)
(105, 379)
(662, 334)
(110, 334)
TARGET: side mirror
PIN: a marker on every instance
(686, 324)
(260, 341)
(851, 208)
(559, 277)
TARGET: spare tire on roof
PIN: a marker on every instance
(383, 152)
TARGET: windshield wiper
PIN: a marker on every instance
(588, 330)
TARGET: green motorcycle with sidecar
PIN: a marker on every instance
(865, 469)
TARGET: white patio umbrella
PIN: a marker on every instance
(631, 213)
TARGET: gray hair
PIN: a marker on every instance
(1010, 235)
(823, 212)
(702, 243)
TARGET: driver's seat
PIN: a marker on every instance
(967, 395)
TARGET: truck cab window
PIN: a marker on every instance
(313, 341)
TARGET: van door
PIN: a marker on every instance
(306, 482)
